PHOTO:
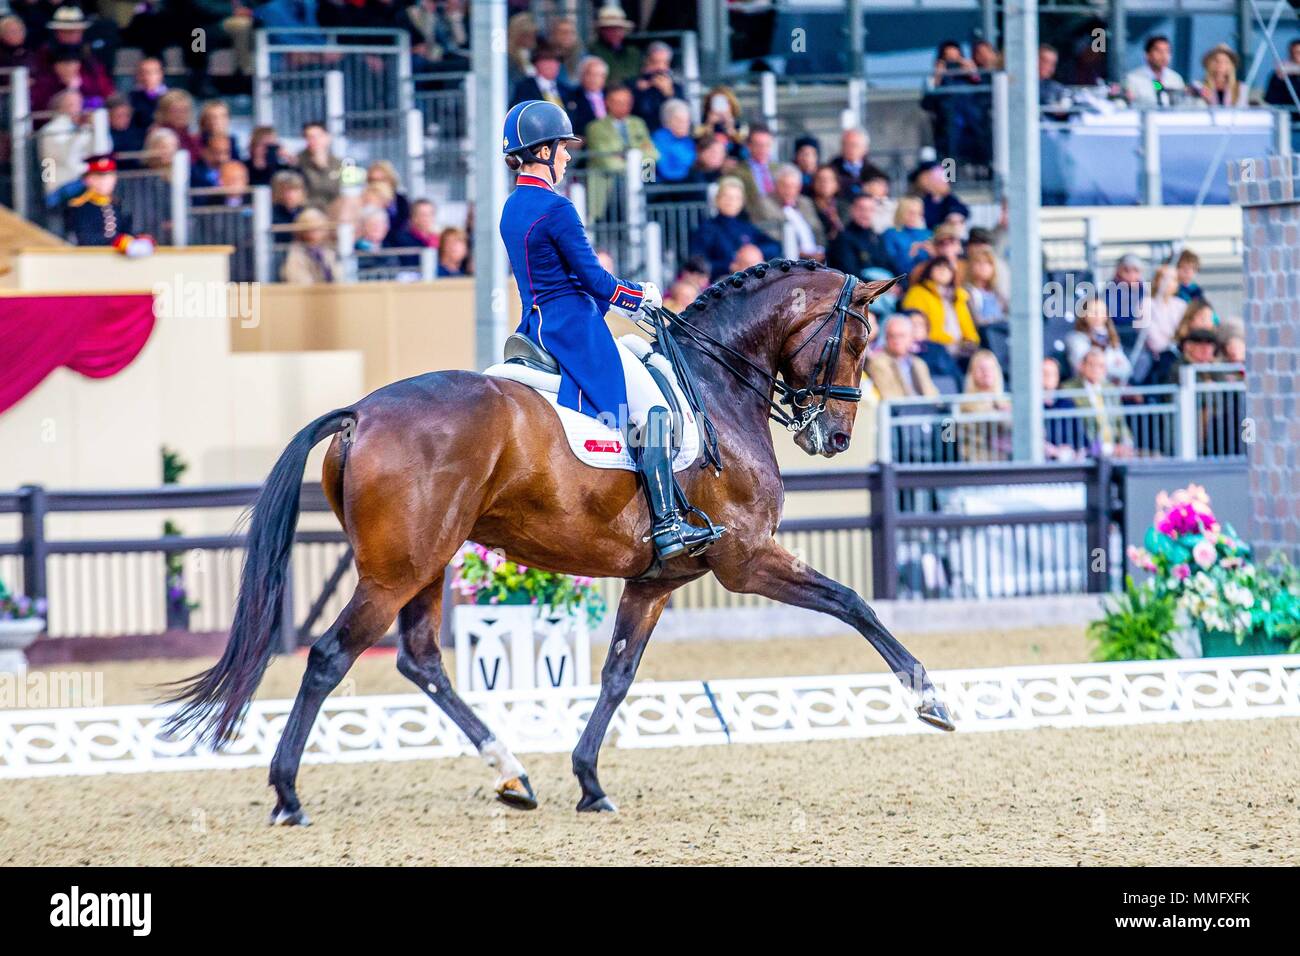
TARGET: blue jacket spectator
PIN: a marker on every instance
(718, 238)
(673, 140)
(906, 244)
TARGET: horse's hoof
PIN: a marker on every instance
(281, 817)
(517, 792)
(601, 804)
(933, 712)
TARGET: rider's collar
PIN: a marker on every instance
(528, 179)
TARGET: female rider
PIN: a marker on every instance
(566, 293)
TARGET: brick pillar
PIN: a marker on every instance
(1268, 191)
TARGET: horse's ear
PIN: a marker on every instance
(878, 287)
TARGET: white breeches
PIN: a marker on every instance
(642, 392)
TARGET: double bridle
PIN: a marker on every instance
(806, 404)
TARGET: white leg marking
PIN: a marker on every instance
(498, 756)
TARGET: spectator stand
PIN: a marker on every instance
(358, 81)
(444, 103)
(157, 196)
(238, 217)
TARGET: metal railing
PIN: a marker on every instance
(989, 530)
(1202, 417)
(235, 217)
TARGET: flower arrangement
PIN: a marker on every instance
(487, 577)
(19, 607)
(1209, 575)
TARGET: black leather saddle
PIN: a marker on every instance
(521, 350)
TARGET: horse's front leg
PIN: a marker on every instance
(774, 572)
(638, 613)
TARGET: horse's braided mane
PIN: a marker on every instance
(727, 285)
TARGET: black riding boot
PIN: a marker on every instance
(669, 530)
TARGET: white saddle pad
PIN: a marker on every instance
(594, 443)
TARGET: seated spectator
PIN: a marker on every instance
(521, 41)
(562, 37)
(945, 242)
(988, 438)
(746, 256)
(695, 270)
(656, 86)
(586, 102)
(372, 238)
(1220, 86)
(1200, 346)
(710, 161)
(1058, 431)
(612, 26)
(718, 238)
(755, 170)
(288, 197)
(930, 182)
(908, 243)
(807, 157)
(978, 272)
(321, 169)
(175, 111)
(232, 179)
(946, 305)
(453, 253)
(1051, 91)
(265, 157)
(1124, 294)
(1232, 340)
(1198, 316)
(609, 138)
(674, 144)
(68, 27)
(1189, 266)
(852, 165)
(149, 88)
(160, 147)
(857, 247)
(825, 195)
(1105, 433)
(1154, 83)
(796, 212)
(944, 371)
(14, 51)
(1162, 312)
(398, 207)
(984, 240)
(1285, 79)
(421, 228)
(896, 370)
(215, 151)
(544, 83)
(64, 144)
(886, 205)
(722, 119)
(439, 36)
(1093, 329)
(127, 137)
(680, 295)
(214, 120)
(311, 259)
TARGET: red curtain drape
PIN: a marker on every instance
(96, 335)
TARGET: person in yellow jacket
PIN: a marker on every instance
(946, 305)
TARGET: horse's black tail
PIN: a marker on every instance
(214, 701)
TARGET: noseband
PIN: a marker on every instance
(808, 403)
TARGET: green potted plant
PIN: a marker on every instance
(488, 577)
(1138, 625)
(1236, 606)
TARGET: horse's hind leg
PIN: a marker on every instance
(775, 573)
(420, 658)
(362, 623)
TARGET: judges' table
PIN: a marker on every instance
(1096, 159)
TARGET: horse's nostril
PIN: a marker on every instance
(840, 441)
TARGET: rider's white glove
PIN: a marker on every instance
(651, 297)
(138, 248)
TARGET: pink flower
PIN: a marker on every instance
(494, 559)
(1204, 553)
(583, 582)
(1140, 558)
(1182, 572)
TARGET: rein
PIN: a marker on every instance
(806, 404)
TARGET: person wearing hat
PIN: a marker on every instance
(565, 293)
(612, 27)
(92, 218)
(311, 259)
(931, 183)
(68, 28)
(545, 83)
(1220, 86)
(807, 157)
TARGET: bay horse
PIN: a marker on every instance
(418, 467)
